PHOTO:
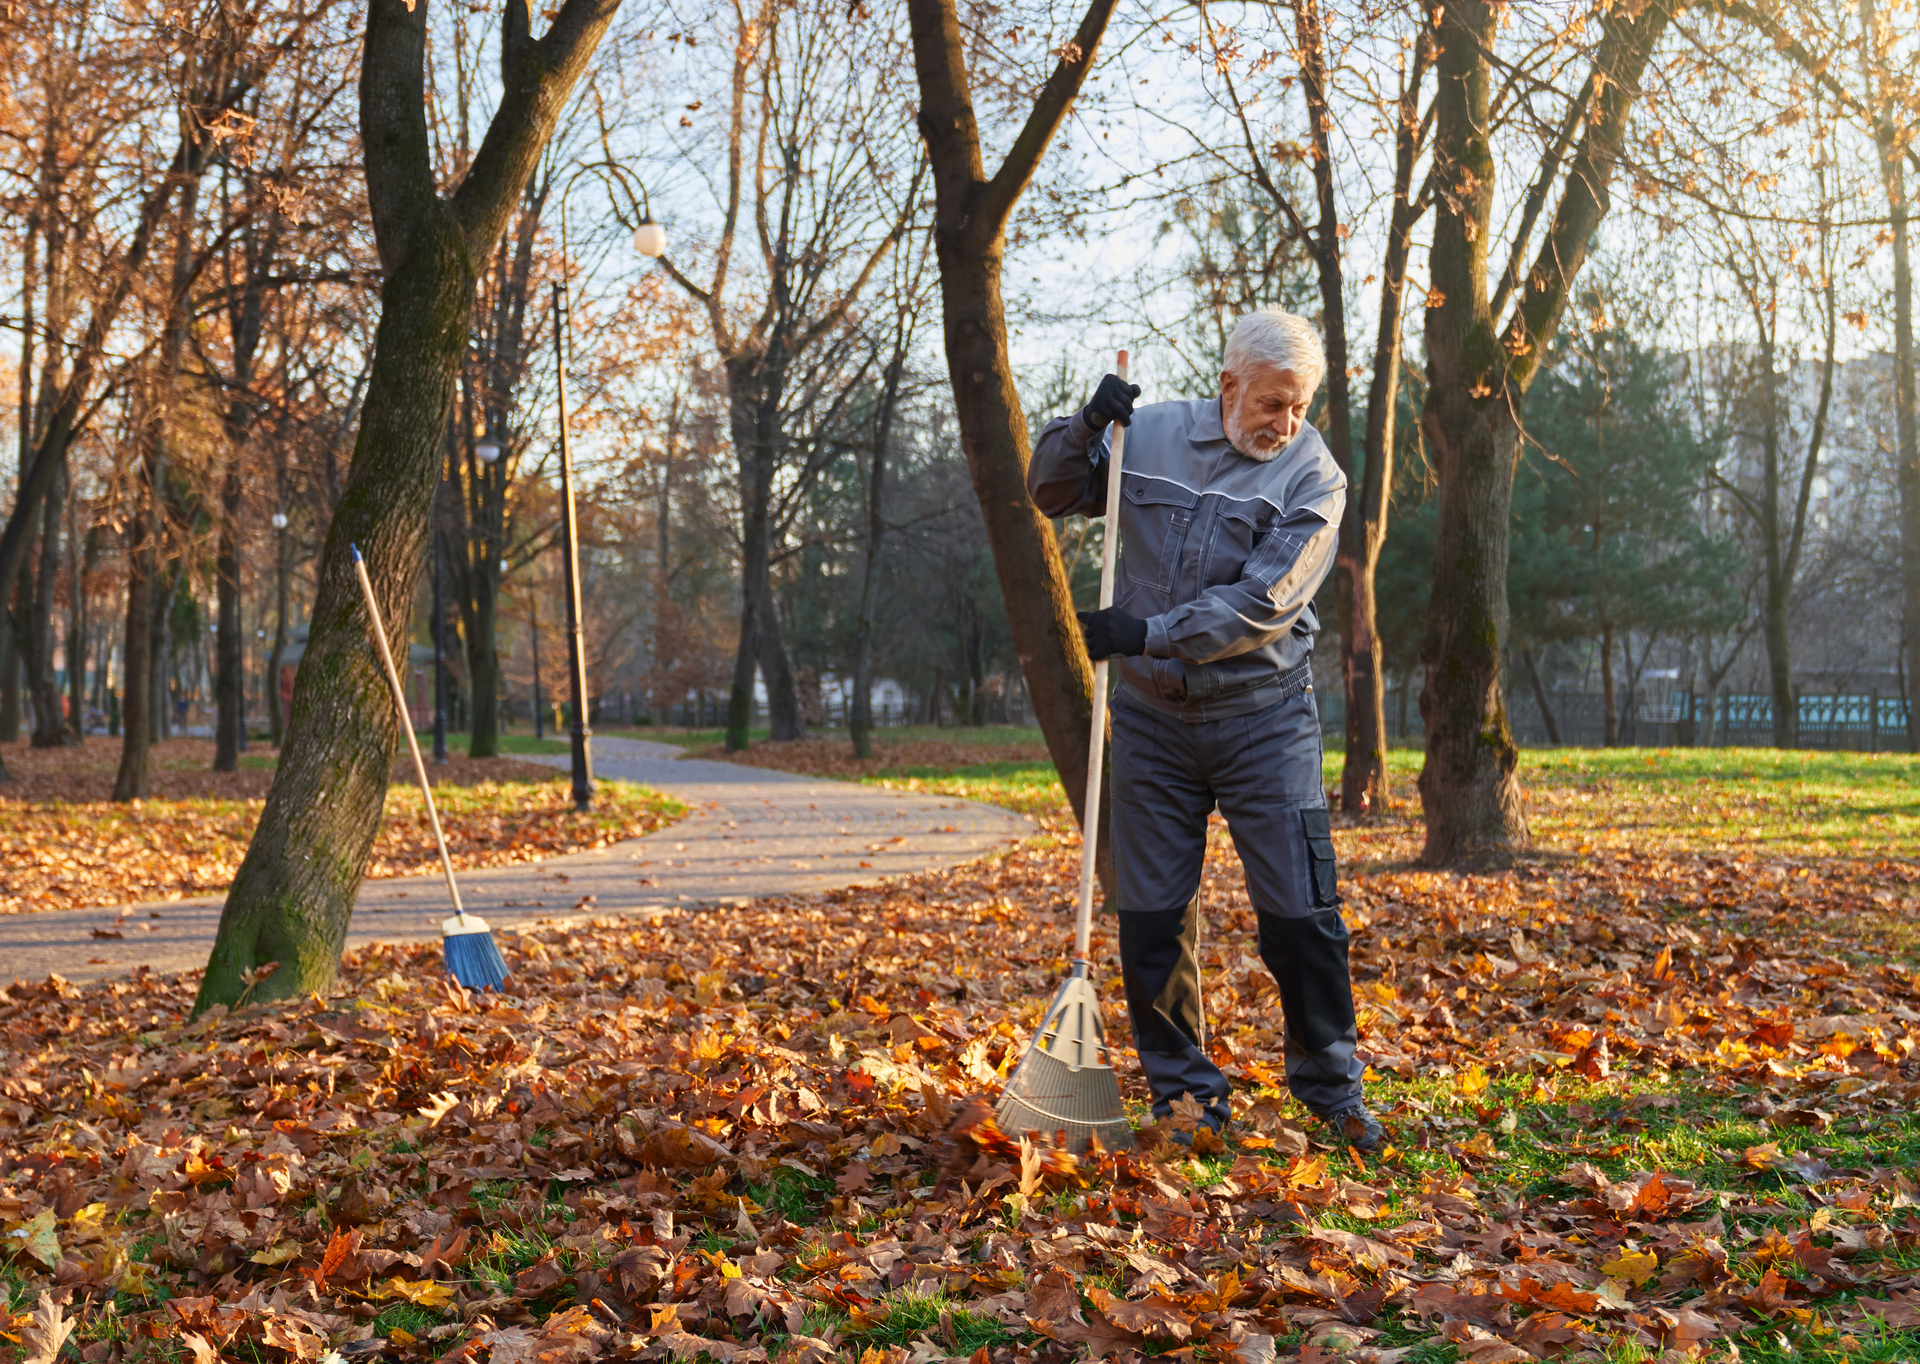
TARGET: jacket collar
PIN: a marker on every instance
(1207, 426)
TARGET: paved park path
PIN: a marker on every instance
(748, 832)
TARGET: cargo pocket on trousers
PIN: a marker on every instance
(1322, 876)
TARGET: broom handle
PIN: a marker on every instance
(1096, 745)
(406, 724)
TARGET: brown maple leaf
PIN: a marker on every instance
(1054, 1298)
(1152, 1316)
(1103, 1339)
(46, 1331)
(1897, 1310)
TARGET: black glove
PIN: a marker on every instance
(1111, 402)
(1113, 633)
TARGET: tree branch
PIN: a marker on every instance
(997, 199)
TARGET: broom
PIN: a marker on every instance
(473, 958)
(1065, 1083)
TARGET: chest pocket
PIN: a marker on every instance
(1155, 517)
(1236, 530)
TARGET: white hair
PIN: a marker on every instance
(1273, 336)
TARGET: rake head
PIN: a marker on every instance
(1065, 1083)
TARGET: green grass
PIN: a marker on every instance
(1792, 803)
(526, 743)
(796, 1196)
(902, 1317)
(891, 734)
(405, 1316)
(1033, 788)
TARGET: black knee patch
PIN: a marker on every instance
(1308, 958)
(1152, 954)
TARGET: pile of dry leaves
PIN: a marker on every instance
(753, 1135)
(64, 844)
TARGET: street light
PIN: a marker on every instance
(649, 239)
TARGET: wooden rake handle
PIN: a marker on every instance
(1096, 745)
(406, 724)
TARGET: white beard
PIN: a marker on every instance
(1262, 445)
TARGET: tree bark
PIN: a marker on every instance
(1477, 375)
(80, 566)
(228, 640)
(49, 719)
(246, 315)
(860, 712)
(1540, 697)
(293, 896)
(971, 213)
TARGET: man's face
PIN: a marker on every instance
(1262, 409)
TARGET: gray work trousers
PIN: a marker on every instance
(1263, 771)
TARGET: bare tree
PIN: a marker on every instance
(810, 157)
(293, 896)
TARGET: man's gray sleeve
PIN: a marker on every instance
(1068, 474)
(1289, 562)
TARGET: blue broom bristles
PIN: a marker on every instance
(473, 958)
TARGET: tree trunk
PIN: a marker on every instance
(754, 386)
(1609, 709)
(1540, 698)
(81, 564)
(228, 683)
(663, 612)
(166, 589)
(971, 213)
(293, 896)
(482, 515)
(1467, 787)
(143, 715)
(784, 721)
(860, 711)
(1477, 376)
(136, 653)
(9, 690)
(49, 718)
(482, 629)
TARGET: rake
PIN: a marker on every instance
(466, 943)
(1065, 1083)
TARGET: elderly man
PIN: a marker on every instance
(1229, 515)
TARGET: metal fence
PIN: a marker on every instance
(1862, 723)
(1868, 723)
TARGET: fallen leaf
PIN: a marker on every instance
(45, 1331)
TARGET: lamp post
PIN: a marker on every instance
(270, 692)
(649, 239)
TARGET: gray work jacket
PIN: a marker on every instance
(1220, 553)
